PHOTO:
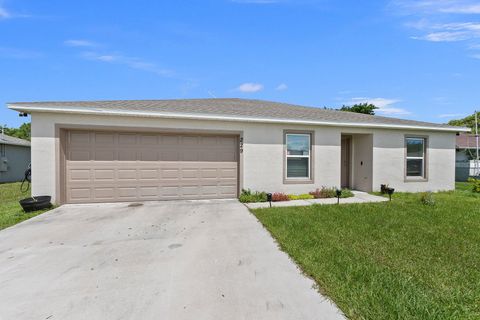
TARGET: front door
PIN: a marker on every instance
(345, 162)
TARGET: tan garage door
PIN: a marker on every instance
(125, 166)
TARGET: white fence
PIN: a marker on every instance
(466, 169)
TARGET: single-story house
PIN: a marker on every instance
(14, 158)
(107, 151)
(465, 157)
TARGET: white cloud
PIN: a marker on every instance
(384, 105)
(131, 62)
(4, 14)
(442, 20)
(8, 14)
(438, 6)
(444, 36)
(79, 43)
(394, 111)
(462, 9)
(250, 87)
(281, 87)
(451, 115)
(446, 32)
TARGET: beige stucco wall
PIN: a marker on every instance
(262, 158)
(389, 165)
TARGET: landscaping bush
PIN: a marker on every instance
(427, 198)
(304, 196)
(475, 184)
(346, 193)
(278, 196)
(248, 196)
(324, 192)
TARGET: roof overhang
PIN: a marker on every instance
(172, 115)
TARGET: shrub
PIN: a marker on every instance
(304, 196)
(475, 184)
(346, 193)
(324, 192)
(427, 198)
(248, 196)
(278, 196)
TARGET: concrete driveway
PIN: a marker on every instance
(161, 260)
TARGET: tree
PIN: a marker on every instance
(23, 132)
(366, 108)
(468, 121)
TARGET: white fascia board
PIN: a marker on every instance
(172, 115)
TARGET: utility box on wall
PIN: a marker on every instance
(3, 164)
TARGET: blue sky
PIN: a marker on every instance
(414, 59)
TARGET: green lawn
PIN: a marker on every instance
(398, 260)
(10, 210)
(463, 186)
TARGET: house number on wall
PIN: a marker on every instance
(241, 144)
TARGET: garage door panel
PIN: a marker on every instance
(127, 139)
(127, 192)
(104, 155)
(190, 173)
(126, 174)
(149, 155)
(126, 166)
(81, 194)
(79, 137)
(149, 140)
(148, 174)
(148, 191)
(127, 155)
(104, 174)
(107, 139)
(80, 155)
(169, 174)
(79, 175)
(170, 191)
(228, 173)
(106, 194)
(190, 191)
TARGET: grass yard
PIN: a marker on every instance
(10, 210)
(398, 260)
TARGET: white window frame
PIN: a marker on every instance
(309, 156)
(423, 158)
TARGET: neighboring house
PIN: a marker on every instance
(466, 154)
(14, 158)
(107, 151)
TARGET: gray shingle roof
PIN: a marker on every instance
(4, 139)
(228, 108)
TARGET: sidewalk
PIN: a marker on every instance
(359, 197)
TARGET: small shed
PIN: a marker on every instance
(14, 158)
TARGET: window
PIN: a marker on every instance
(298, 157)
(415, 158)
